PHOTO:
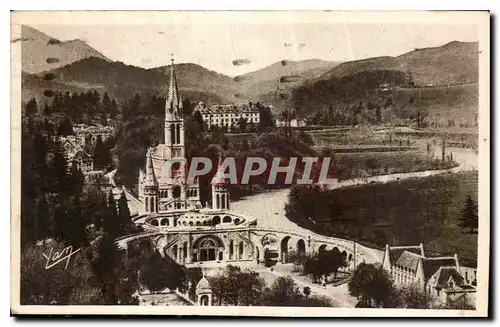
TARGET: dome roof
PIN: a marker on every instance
(203, 286)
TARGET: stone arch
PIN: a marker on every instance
(284, 248)
(301, 247)
(236, 220)
(350, 257)
(205, 223)
(269, 239)
(322, 247)
(190, 223)
(154, 222)
(216, 220)
(207, 248)
(198, 223)
(204, 300)
(226, 219)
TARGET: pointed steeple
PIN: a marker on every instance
(150, 173)
(172, 103)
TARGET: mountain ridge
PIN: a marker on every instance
(41, 52)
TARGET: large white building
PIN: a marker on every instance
(228, 116)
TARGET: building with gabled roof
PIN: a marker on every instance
(439, 276)
(83, 161)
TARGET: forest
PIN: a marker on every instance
(427, 210)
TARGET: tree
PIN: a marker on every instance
(266, 118)
(413, 297)
(31, 107)
(99, 153)
(76, 180)
(43, 223)
(110, 222)
(242, 124)
(158, 273)
(236, 287)
(372, 286)
(113, 109)
(106, 103)
(469, 217)
(75, 233)
(57, 285)
(283, 292)
(187, 107)
(371, 163)
(65, 127)
(58, 170)
(103, 120)
(198, 119)
(307, 291)
(123, 212)
(331, 261)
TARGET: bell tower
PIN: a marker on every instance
(150, 186)
(174, 122)
(220, 191)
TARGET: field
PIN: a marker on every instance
(423, 210)
(364, 164)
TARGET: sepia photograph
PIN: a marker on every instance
(294, 163)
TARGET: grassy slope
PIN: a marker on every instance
(459, 103)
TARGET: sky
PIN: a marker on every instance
(215, 46)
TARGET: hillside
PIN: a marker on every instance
(439, 83)
(267, 79)
(41, 52)
(454, 63)
(122, 81)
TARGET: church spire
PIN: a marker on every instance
(150, 173)
(172, 103)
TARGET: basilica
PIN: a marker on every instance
(170, 210)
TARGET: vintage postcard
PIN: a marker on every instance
(287, 163)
